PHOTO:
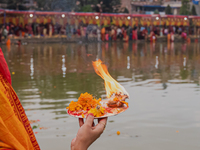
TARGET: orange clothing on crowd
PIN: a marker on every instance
(23, 33)
(188, 40)
(15, 130)
(125, 37)
(8, 42)
(103, 31)
(168, 37)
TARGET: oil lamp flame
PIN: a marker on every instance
(111, 85)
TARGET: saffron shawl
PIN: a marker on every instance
(15, 130)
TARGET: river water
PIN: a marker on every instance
(163, 81)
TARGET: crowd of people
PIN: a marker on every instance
(95, 32)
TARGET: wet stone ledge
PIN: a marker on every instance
(44, 40)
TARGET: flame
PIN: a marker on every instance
(111, 85)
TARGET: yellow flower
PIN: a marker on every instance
(83, 115)
(97, 111)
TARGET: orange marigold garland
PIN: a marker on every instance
(87, 102)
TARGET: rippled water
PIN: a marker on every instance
(162, 80)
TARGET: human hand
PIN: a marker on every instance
(88, 133)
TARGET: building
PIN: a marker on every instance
(146, 7)
(126, 4)
(149, 6)
(175, 5)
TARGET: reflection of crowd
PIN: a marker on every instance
(94, 32)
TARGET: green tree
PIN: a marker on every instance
(86, 8)
(193, 11)
(168, 10)
(126, 10)
(185, 7)
(87, 2)
(156, 11)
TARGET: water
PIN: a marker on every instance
(163, 81)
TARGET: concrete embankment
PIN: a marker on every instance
(35, 40)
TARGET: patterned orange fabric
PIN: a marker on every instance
(15, 130)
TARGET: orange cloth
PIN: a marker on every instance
(15, 130)
(103, 31)
(8, 42)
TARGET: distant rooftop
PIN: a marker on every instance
(173, 4)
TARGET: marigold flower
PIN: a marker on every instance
(118, 132)
(83, 115)
(97, 111)
(85, 102)
(74, 106)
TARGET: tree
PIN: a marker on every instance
(185, 8)
(41, 4)
(104, 6)
(168, 10)
(156, 11)
(110, 6)
(58, 5)
(126, 10)
(193, 11)
(86, 8)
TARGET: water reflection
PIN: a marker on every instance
(48, 77)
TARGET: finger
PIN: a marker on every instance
(101, 125)
(89, 119)
(103, 120)
(99, 128)
(81, 122)
(73, 143)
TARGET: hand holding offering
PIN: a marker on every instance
(88, 133)
(113, 105)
